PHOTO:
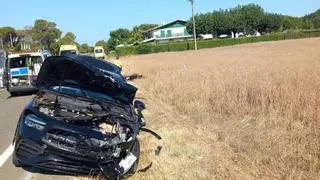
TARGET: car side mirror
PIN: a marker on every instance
(139, 105)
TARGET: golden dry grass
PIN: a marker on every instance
(241, 112)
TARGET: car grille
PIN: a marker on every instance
(76, 146)
(28, 149)
(70, 167)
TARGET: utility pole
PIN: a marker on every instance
(194, 25)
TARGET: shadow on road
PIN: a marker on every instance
(21, 94)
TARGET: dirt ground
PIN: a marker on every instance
(239, 112)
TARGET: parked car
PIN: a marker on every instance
(21, 70)
(84, 120)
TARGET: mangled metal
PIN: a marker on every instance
(81, 123)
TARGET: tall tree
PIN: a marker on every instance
(271, 22)
(84, 48)
(313, 19)
(145, 27)
(248, 17)
(290, 22)
(68, 39)
(117, 37)
(8, 36)
(45, 32)
(135, 36)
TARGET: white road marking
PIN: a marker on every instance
(27, 176)
(6, 154)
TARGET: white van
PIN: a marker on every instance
(21, 70)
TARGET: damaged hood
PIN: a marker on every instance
(87, 73)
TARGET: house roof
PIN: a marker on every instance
(168, 24)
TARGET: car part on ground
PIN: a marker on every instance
(83, 120)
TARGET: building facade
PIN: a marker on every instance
(173, 31)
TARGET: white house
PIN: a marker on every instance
(173, 31)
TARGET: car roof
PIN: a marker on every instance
(22, 54)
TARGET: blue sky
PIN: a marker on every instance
(93, 20)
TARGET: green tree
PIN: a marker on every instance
(68, 39)
(135, 36)
(145, 27)
(312, 20)
(103, 44)
(84, 48)
(247, 18)
(8, 34)
(290, 22)
(271, 22)
(45, 32)
(117, 37)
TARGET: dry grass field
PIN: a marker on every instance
(242, 112)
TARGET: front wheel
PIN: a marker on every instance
(16, 162)
(12, 94)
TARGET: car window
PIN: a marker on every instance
(98, 50)
(80, 92)
(24, 61)
(68, 51)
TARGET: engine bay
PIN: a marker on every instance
(109, 120)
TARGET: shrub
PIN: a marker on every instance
(126, 51)
(144, 49)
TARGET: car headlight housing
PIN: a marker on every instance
(35, 122)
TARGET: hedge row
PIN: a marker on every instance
(188, 45)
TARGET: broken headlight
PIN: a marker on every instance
(34, 122)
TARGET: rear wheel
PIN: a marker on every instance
(13, 94)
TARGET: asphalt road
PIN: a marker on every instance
(10, 109)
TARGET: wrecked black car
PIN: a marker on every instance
(83, 120)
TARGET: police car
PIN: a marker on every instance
(21, 70)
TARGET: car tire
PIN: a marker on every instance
(16, 162)
(12, 94)
(136, 151)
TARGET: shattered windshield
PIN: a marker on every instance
(81, 93)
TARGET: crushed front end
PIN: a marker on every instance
(72, 142)
(83, 120)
